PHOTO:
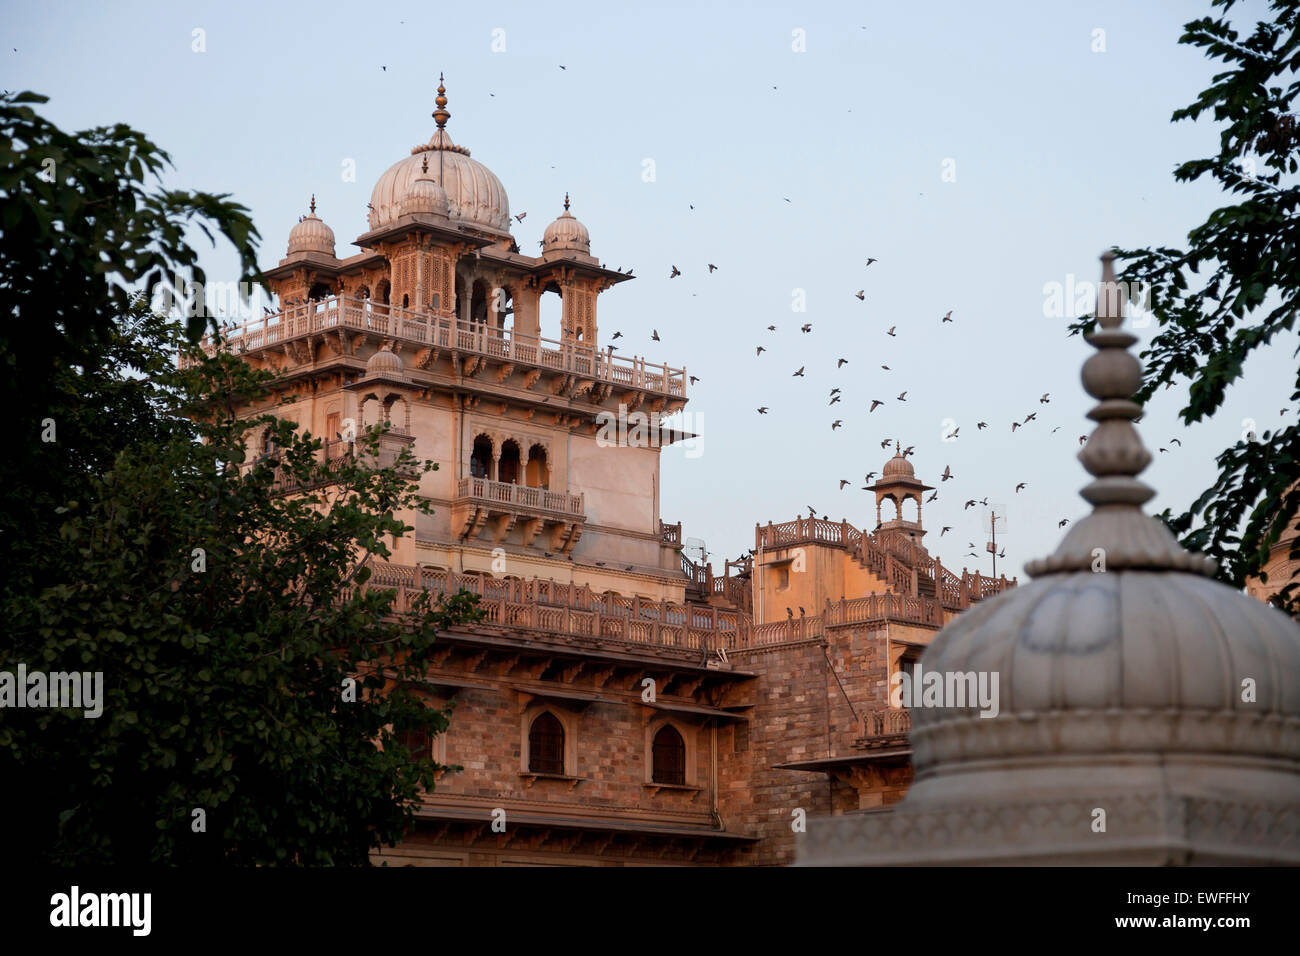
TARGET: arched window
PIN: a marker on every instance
(480, 460)
(538, 474)
(508, 467)
(546, 745)
(417, 742)
(318, 291)
(669, 756)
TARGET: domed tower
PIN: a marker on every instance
(567, 239)
(311, 235)
(1141, 712)
(898, 483)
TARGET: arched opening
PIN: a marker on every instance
(382, 293)
(461, 297)
(478, 308)
(406, 301)
(508, 467)
(668, 756)
(886, 516)
(546, 744)
(550, 312)
(539, 471)
(912, 513)
(501, 305)
(480, 459)
(417, 742)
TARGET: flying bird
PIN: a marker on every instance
(891, 330)
(969, 504)
(835, 391)
(836, 424)
(910, 449)
(885, 367)
(902, 396)
(885, 443)
(760, 351)
(675, 273)
(1019, 486)
(1082, 439)
(841, 363)
(947, 473)
(945, 530)
(1063, 522)
(834, 399)
(1030, 417)
(1015, 425)
(861, 294)
(946, 318)
(654, 335)
(932, 497)
(843, 483)
(980, 426)
(763, 410)
(1045, 400)
(870, 475)
(798, 374)
(694, 379)
(874, 403)
(869, 261)
(771, 328)
(1177, 442)
(806, 327)
(520, 217)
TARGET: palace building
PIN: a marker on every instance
(621, 704)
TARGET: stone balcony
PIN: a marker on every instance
(497, 507)
(342, 321)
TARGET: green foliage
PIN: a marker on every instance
(1235, 287)
(224, 679)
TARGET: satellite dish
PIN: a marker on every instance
(695, 550)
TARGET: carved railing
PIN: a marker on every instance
(670, 534)
(304, 319)
(886, 721)
(505, 493)
(575, 610)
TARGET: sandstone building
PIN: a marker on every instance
(770, 679)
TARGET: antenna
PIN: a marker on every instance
(995, 520)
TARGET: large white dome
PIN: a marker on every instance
(475, 197)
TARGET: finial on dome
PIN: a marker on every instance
(424, 166)
(441, 115)
(313, 204)
(566, 202)
(898, 448)
(1115, 456)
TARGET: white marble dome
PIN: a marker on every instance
(474, 195)
(566, 234)
(311, 235)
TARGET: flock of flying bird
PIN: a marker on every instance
(836, 396)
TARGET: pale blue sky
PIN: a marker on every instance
(1059, 152)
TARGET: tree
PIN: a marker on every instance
(257, 683)
(1234, 288)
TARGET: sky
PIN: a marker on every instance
(979, 152)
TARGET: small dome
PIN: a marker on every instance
(566, 234)
(385, 363)
(311, 235)
(424, 196)
(898, 467)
